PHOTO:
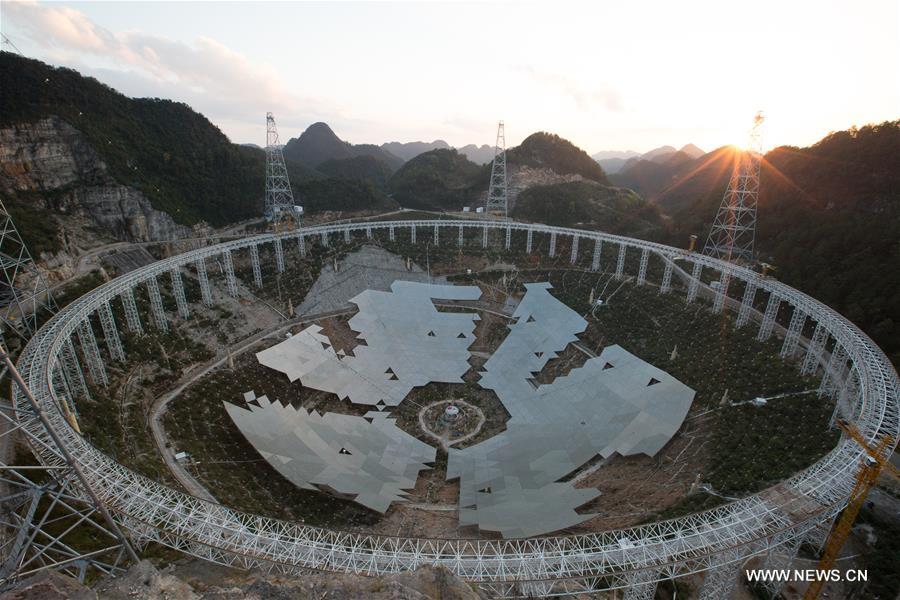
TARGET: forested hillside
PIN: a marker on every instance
(183, 164)
(829, 220)
(589, 205)
(436, 180)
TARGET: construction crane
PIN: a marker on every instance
(877, 459)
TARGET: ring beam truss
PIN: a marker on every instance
(716, 541)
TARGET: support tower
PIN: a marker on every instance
(279, 197)
(24, 294)
(732, 234)
(497, 192)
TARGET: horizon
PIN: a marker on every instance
(383, 72)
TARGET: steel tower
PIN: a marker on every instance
(279, 197)
(733, 232)
(24, 294)
(497, 192)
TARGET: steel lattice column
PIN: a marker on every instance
(722, 577)
(111, 332)
(642, 585)
(156, 304)
(412, 234)
(347, 235)
(73, 369)
(324, 237)
(459, 239)
(694, 283)
(437, 240)
(552, 245)
(834, 372)
(642, 270)
(746, 304)
(620, 263)
(96, 368)
(780, 558)
(368, 233)
(279, 256)
(792, 337)
(528, 241)
(768, 322)
(391, 234)
(595, 262)
(301, 245)
(178, 290)
(131, 312)
(666, 284)
(229, 273)
(574, 257)
(508, 237)
(203, 277)
(254, 263)
(484, 237)
(722, 292)
(814, 352)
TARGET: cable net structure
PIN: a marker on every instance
(713, 544)
(497, 198)
(279, 197)
(734, 230)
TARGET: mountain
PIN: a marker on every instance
(692, 151)
(589, 205)
(478, 154)
(828, 220)
(658, 152)
(319, 143)
(608, 154)
(409, 150)
(435, 180)
(548, 151)
(74, 151)
(363, 168)
(612, 165)
(649, 177)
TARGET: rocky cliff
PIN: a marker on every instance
(50, 165)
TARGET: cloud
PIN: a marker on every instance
(221, 83)
(585, 98)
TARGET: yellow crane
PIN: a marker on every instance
(877, 459)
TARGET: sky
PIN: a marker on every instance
(607, 76)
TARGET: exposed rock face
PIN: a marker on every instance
(523, 177)
(53, 160)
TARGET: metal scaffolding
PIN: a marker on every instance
(721, 292)
(254, 263)
(595, 261)
(642, 270)
(230, 279)
(573, 258)
(620, 262)
(666, 286)
(792, 337)
(746, 304)
(694, 283)
(552, 251)
(111, 332)
(768, 321)
(497, 202)
(279, 256)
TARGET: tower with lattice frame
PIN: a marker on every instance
(24, 295)
(279, 197)
(734, 230)
(497, 198)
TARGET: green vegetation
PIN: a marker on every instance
(829, 220)
(180, 161)
(590, 206)
(365, 168)
(440, 179)
(548, 150)
(39, 231)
